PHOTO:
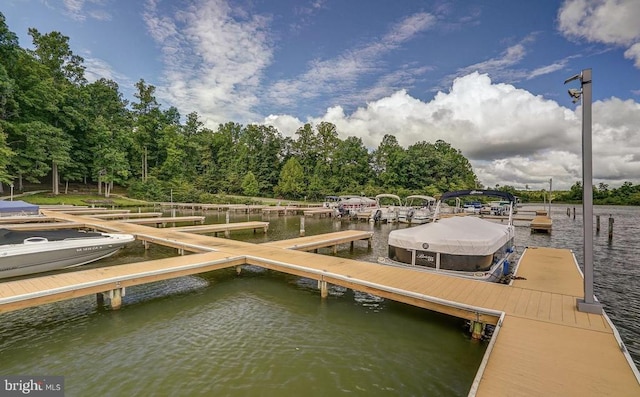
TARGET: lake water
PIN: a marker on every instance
(270, 334)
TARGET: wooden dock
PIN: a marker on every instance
(127, 215)
(541, 223)
(282, 210)
(320, 212)
(542, 346)
(163, 221)
(224, 227)
(313, 243)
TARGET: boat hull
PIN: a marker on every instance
(43, 256)
(497, 272)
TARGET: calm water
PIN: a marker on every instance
(269, 334)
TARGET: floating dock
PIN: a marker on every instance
(541, 222)
(542, 345)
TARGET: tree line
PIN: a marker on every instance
(55, 125)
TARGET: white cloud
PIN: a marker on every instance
(338, 76)
(99, 68)
(76, 9)
(214, 57)
(511, 136)
(612, 22)
(634, 53)
(604, 21)
(287, 125)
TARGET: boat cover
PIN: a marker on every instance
(458, 235)
(8, 236)
(17, 208)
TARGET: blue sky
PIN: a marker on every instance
(485, 76)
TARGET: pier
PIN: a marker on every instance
(542, 345)
(541, 222)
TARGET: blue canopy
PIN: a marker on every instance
(18, 208)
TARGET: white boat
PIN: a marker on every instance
(351, 205)
(388, 207)
(30, 252)
(464, 246)
(417, 209)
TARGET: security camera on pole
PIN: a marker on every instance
(588, 304)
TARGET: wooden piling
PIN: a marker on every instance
(597, 223)
(302, 226)
(610, 228)
(477, 328)
(323, 289)
(115, 298)
(100, 299)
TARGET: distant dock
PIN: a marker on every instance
(541, 222)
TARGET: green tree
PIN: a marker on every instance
(250, 185)
(291, 182)
(386, 163)
(351, 170)
(5, 157)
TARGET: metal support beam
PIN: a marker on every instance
(588, 304)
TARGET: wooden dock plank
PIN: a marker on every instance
(222, 227)
(127, 215)
(533, 305)
(535, 358)
(544, 307)
(541, 224)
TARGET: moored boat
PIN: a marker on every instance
(417, 209)
(464, 246)
(29, 252)
(388, 207)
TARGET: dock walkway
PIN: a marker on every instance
(542, 345)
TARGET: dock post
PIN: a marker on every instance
(574, 212)
(145, 244)
(323, 289)
(477, 328)
(369, 242)
(238, 269)
(568, 211)
(597, 223)
(335, 249)
(115, 298)
(227, 233)
(100, 299)
(302, 226)
(610, 228)
(352, 244)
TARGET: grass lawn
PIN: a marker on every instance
(82, 199)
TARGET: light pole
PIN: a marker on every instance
(588, 304)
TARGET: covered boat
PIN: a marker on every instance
(29, 252)
(18, 207)
(464, 246)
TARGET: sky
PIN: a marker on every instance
(487, 76)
